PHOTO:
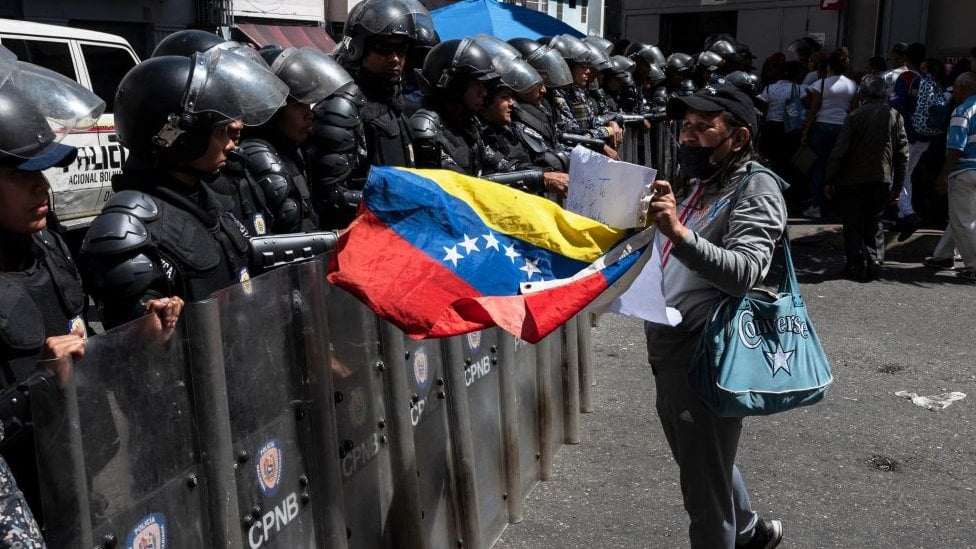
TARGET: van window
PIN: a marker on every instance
(52, 55)
(106, 67)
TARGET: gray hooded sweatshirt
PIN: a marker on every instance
(728, 251)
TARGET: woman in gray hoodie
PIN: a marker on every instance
(718, 227)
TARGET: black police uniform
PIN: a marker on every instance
(535, 127)
(42, 299)
(385, 121)
(267, 177)
(158, 237)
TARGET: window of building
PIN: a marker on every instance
(559, 9)
(583, 9)
(688, 31)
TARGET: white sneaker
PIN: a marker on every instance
(812, 212)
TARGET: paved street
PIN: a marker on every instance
(862, 469)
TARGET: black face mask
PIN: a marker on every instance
(696, 162)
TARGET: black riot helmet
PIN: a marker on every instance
(573, 50)
(547, 61)
(515, 73)
(680, 63)
(38, 108)
(600, 42)
(187, 42)
(310, 74)
(450, 63)
(167, 107)
(709, 60)
(372, 18)
(622, 67)
(655, 76)
(747, 83)
(687, 87)
(651, 55)
(601, 61)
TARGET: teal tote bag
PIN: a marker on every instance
(759, 354)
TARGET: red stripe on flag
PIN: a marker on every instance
(399, 282)
(424, 298)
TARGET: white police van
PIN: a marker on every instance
(97, 61)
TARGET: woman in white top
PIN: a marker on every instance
(830, 101)
(777, 143)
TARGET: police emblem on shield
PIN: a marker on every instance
(357, 407)
(268, 465)
(474, 340)
(421, 371)
(149, 533)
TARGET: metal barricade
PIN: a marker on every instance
(283, 413)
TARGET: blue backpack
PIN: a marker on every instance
(931, 114)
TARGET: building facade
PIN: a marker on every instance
(866, 27)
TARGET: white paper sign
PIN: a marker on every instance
(608, 191)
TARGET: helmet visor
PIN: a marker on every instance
(517, 74)
(551, 65)
(50, 107)
(234, 87)
(310, 74)
(401, 17)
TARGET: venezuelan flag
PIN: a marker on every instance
(439, 253)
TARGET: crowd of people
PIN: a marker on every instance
(230, 144)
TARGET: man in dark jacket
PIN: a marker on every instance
(865, 173)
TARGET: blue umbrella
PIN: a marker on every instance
(470, 17)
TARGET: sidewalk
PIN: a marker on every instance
(862, 469)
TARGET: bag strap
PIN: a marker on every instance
(789, 284)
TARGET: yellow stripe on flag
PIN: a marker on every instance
(528, 217)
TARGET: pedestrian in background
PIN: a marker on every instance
(958, 178)
(864, 175)
(830, 101)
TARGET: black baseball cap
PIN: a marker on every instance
(715, 99)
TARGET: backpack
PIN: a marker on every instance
(931, 114)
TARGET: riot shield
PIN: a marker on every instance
(262, 323)
(481, 378)
(527, 387)
(362, 425)
(117, 446)
(428, 415)
(557, 371)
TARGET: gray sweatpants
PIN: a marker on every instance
(704, 447)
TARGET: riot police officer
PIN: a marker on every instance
(367, 125)
(577, 114)
(271, 176)
(447, 132)
(164, 231)
(499, 132)
(43, 301)
(534, 114)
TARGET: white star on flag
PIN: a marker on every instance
(530, 268)
(511, 253)
(452, 255)
(490, 241)
(780, 360)
(469, 244)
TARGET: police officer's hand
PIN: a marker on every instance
(618, 133)
(610, 152)
(663, 211)
(165, 312)
(556, 182)
(69, 345)
(57, 351)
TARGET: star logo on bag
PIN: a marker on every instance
(780, 359)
